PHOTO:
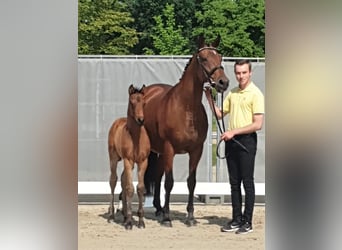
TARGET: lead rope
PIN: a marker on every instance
(224, 129)
(218, 124)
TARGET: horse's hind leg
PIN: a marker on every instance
(158, 177)
(140, 190)
(114, 158)
(150, 173)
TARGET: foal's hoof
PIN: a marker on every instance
(141, 224)
(190, 222)
(166, 223)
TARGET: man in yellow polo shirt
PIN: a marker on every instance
(245, 106)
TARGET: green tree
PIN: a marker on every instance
(241, 24)
(144, 11)
(167, 36)
(104, 27)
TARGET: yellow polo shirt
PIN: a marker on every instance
(242, 104)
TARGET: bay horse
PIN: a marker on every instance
(177, 123)
(128, 141)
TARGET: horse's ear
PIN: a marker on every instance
(216, 43)
(200, 41)
(131, 89)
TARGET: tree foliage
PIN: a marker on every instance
(145, 11)
(167, 36)
(149, 26)
(105, 28)
(241, 24)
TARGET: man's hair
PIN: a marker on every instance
(242, 62)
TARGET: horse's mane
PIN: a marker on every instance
(186, 66)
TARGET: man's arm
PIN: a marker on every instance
(256, 125)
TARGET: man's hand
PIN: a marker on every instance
(228, 135)
(207, 91)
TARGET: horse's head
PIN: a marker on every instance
(136, 104)
(210, 61)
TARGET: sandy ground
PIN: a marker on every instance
(94, 232)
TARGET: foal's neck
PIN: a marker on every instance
(132, 125)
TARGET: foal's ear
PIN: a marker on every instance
(131, 89)
(142, 90)
(216, 43)
(200, 41)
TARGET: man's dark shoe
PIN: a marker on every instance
(245, 228)
(231, 226)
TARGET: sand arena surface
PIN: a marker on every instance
(94, 232)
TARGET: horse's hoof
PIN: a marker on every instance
(129, 226)
(141, 224)
(166, 223)
(158, 213)
(111, 218)
(191, 222)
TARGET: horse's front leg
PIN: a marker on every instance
(140, 190)
(194, 158)
(167, 163)
(166, 209)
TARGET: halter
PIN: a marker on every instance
(207, 73)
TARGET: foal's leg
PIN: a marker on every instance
(194, 158)
(113, 158)
(128, 193)
(140, 190)
(123, 196)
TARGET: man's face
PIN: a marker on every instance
(242, 74)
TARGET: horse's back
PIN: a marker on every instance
(155, 91)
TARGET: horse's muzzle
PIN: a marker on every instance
(222, 85)
(140, 121)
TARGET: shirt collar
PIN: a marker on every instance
(249, 86)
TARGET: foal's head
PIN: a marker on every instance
(136, 104)
(210, 61)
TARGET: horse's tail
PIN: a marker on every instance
(150, 174)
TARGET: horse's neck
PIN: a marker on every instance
(191, 83)
(133, 128)
(132, 125)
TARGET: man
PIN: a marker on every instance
(245, 105)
